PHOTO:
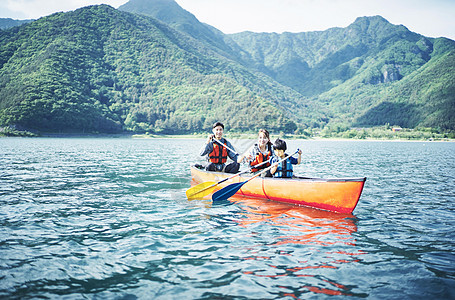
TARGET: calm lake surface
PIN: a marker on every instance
(108, 219)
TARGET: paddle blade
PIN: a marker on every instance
(201, 190)
(228, 191)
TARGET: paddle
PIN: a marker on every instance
(219, 142)
(230, 190)
(203, 189)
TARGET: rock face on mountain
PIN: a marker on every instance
(151, 66)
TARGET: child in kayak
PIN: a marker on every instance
(283, 169)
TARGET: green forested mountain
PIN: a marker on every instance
(153, 67)
(370, 73)
(100, 69)
(170, 13)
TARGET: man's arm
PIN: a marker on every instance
(206, 149)
(232, 155)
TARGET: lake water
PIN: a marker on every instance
(108, 219)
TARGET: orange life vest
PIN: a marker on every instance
(219, 154)
(260, 158)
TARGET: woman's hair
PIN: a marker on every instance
(280, 145)
(267, 135)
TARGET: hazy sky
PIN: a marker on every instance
(432, 18)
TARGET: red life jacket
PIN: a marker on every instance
(260, 158)
(219, 154)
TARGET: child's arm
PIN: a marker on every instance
(300, 157)
(275, 167)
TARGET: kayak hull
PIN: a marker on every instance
(337, 195)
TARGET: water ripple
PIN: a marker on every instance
(108, 218)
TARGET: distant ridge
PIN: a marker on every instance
(171, 13)
(167, 11)
(6, 23)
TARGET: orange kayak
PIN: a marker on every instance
(337, 195)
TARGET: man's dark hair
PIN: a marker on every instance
(218, 124)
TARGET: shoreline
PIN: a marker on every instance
(247, 136)
(229, 136)
(288, 137)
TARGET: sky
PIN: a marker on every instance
(431, 18)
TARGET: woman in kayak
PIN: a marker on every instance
(283, 169)
(218, 149)
(260, 154)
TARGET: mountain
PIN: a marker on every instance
(314, 62)
(151, 66)
(172, 14)
(98, 69)
(341, 73)
(353, 72)
(6, 23)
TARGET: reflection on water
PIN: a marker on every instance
(327, 233)
(108, 218)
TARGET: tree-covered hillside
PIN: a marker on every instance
(153, 67)
(100, 69)
(370, 73)
(315, 62)
(170, 13)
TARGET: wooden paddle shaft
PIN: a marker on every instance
(219, 142)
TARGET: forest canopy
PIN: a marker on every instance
(98, 69)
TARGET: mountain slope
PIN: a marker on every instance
(425, 98)
(158, 69)
(315, 62)
(99, 69)
(169, 12)
(347, 71)
(6, 23)
(386, 90)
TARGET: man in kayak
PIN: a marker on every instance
(283, 169)
(218, 149)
